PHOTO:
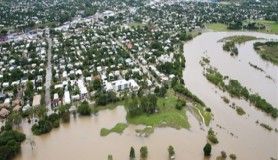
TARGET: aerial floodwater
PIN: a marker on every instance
(241, 135)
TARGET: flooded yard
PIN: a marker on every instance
(80, 139)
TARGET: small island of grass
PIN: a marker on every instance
(118, 128)
(268, 51)
(230, 43)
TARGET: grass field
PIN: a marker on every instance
(271, 26)
(118, 128)
(239, 39)
(217, 27)
(168, 115)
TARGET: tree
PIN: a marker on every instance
(131, 153)
(43, 126)
(97, 84)
(149, 103)
(84, 109)
(171, 151)
(29, 92)
(110, 157)
(144, 152)
(133, 107)
(207, 149)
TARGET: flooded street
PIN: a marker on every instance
(80, 139)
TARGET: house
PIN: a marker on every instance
(4, 112)
(36, 100)
(55, 100)
(67, 99)
(82, 88)
(120, 85)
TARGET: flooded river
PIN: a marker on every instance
(80, 139)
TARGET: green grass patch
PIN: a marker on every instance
(239, 39)
(217, 27)
(167, 115)
(119, 128)
(204, 115)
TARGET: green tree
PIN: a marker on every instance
(131, 153)
(144, 152)
(110, 157)
(171, 151)
(207, 149)
(97, 84)
(84, 109)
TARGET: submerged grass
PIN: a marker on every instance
(118, 128)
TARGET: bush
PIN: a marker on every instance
(212, 137)
(10, 143)
(132, 153)
(180, 104)
(42, 127)
(144, 152)
(171, 151)
(207, 149)
(233, 156)
(84, 109)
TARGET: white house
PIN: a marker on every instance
(67, 97)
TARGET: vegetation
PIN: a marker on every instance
(268, 51)
(132, 154)
(217, 27)
(184, 91)
(204, 113)
(233, 156)
(171, 152)
(110, 157)
(266, 126)
(144, 152)
(118, 128)
(145, 132)
(166, 115)
(212, 136)
(235, 89)
(43, 126)
(207, 149)
(231, 41)
(180, 104)
(10, 141)
(257, 25)
(239, 39)
(84, 109)
(240, 111)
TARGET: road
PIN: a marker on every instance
(48, 77)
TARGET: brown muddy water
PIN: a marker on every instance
(80, 139)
